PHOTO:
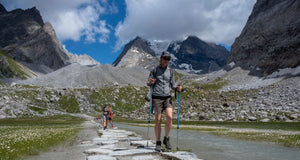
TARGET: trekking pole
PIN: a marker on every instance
(149, 114)
(178, 118)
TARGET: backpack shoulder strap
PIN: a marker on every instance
(154, 72)
(171, 73)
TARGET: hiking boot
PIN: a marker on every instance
(167, 143)
(158, 146)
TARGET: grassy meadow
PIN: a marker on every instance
(22, 137)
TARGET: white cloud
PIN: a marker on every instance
(72, 19)
(216, 21)
(219, 21)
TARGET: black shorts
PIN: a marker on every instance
(109, 118)
(105, 117)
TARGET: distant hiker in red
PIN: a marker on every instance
(110, 116)
(161, 78)
(105, 112)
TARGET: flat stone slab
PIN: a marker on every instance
(98, 151)
(125, 145)
(130, 152)
(142, 157)
(114, 136)
(104, 141)
(180, 155)
(110, 146)
(114, 131)
(131, 139)
(109, 142)
(101, 139)
(101, 157)
(142, 143)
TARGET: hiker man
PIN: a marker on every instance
(105, 112)
(110, 115)
(162, 78)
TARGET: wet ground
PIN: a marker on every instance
(210, 147)
(72, 150)
(123, 143)
(114, 144)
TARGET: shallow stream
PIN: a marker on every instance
(210, 147)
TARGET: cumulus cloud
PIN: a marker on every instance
(216, 21)
(72, 19)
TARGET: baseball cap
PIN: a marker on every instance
(165, 54)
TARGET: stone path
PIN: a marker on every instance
(116, 144)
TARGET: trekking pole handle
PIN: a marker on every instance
(180, 89)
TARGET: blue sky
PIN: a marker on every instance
(101, 28)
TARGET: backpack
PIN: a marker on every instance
(110, 113)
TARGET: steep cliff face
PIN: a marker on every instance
(271, 38)
(16, 26)
(27, 39)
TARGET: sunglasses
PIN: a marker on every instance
(167, 58)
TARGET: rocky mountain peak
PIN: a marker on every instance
(2, 9)
(192, 55)
(193, 38)
(136, 53)
(197, 56)
(35, 14)
(30, 41)
(270, 39)
(142, 44)
(25, 23)
(82, 59)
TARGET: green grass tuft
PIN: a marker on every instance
(37, 109)
(214, 85)
(69, 104)
(13, 69)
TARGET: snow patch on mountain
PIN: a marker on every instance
(176, 47)
(189, 68)
(158, 46)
